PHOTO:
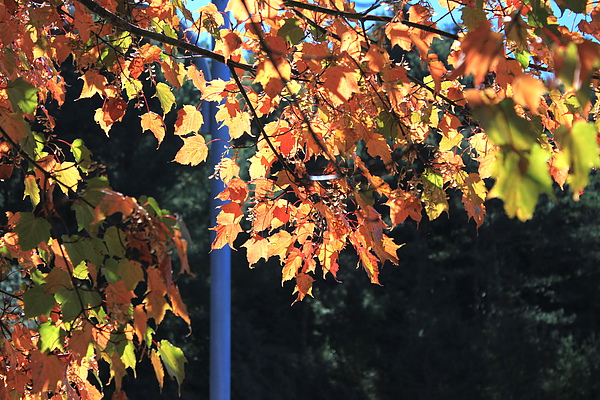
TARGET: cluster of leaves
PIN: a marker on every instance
(358, 131)
(360, 145)
(91, 267)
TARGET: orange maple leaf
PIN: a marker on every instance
(236, 190)
(114, 202)
(402, 205)
(341, 83)
(256, 248)
(228, 225)
(528, 91)
(304, 283)
(177, 305)
(197, 77)
(481, 50)
(93, 83)
(399, 34)
(153, 122)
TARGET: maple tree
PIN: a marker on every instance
(349, 142)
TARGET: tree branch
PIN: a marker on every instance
(159, 37)
(366, 17)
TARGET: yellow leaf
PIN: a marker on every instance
(189, 120)
(154, 123)
(68, 176)
(193, 152)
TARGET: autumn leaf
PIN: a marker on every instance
(304, 283)
(173, 360)
(399, 35)
(165, 96)
(236, 190)
(189, 120)
(341, 83)
(256, 248)
(193, 152)
(403, 205)
(528, 91)
(197, 77)
(228, 225)
(154, 123)
(93, 83)
(113, 202)
(481, 49)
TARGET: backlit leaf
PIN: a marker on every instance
(189, 120)
(193, 152)
(173, 360)
(154, 123)
(22, 95)
(579, 146)
(165, 96)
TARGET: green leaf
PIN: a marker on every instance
(81, 271)
(472, 17)
(36, 302)
(577, 6)
(504, 127)
(70, 304)
(151, 205)
(520, 178)
(91, 299)
(173, 359)
(22, 95)
(49, 337)
(166, 97)
(538, 14)
(290, 31)
(386, 125)
(32, 190)
(83, 249)
(130, 272)
(433, 194)
(127, 354)
(580, 147)
(110, 270)
(114, 242)
(84, 214)
(82, 155)
(523, 58)
(32, 231)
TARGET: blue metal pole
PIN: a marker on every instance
(220, 263)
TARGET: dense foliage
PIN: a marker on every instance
(359, 122)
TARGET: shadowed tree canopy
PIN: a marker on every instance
(343, 125)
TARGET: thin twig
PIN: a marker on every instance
(283, 162)
(159, 37)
